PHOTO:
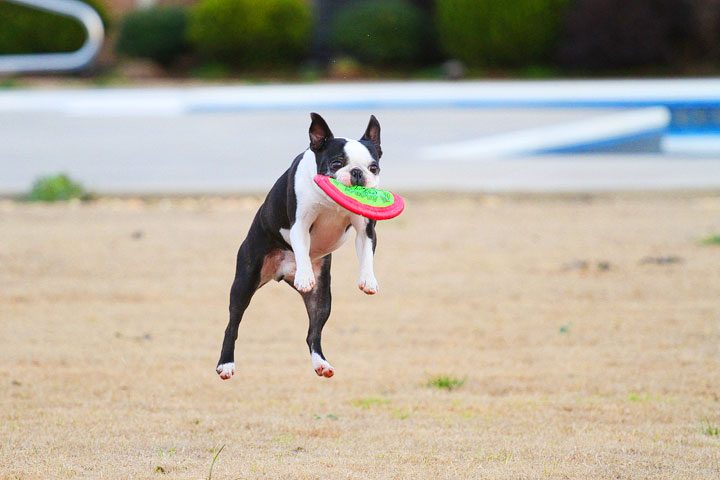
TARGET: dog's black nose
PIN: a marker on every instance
(356, 177)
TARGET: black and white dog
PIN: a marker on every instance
(298, 227)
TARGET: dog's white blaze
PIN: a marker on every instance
(357, 154)
(358, 157)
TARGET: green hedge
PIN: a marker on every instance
(26, 30)
(251, 32)
(382, 32)
(56, 188)
(500, 33)
(156, 33)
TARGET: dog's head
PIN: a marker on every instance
(352, 162)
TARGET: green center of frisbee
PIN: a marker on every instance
(368, 196)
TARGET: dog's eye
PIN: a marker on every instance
(336, 165)
(374, 169)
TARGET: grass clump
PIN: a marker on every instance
(401, 414)
(638, 397)
(56, 188)
(445, 382)
(329, 416)
(710, 429)
(712, 240)
(369, 402)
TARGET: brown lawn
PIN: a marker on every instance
(579, 359)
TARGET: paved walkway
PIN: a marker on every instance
(231, 139)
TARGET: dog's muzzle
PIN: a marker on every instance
(357, 177)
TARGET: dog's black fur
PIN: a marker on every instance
(265, 249)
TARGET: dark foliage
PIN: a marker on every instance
(620, 34)
(383, 32)
(155, 33)
(28, 30)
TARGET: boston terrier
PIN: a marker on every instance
(298, 227)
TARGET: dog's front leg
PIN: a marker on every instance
(300, 243)
(365, 242)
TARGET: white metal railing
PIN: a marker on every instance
(56, 62)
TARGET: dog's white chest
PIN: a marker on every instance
(328, 233)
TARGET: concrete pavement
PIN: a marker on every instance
(178, 140)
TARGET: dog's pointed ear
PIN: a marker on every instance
(372, 134)
(319, 133)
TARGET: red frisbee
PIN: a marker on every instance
(368, 202)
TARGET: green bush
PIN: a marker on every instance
(26, 30)
(498, 33)
(251, 32)
(382, 32)
(54, 188)
(155, 33)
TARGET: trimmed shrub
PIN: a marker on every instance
(156, 33)
(612, 34)
(382, 32)
(27, 30)
(55, 188)
(500, 33)
(250, 32)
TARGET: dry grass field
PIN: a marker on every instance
(583, 333)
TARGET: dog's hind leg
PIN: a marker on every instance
(246, 283)
(318, 302)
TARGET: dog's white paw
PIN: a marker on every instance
(322, 367)
(304, 281)
(369, 285)
(226, 370)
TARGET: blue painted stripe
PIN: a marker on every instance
(710, 104)
(606, 143)
(694, 120)
(694, 131)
